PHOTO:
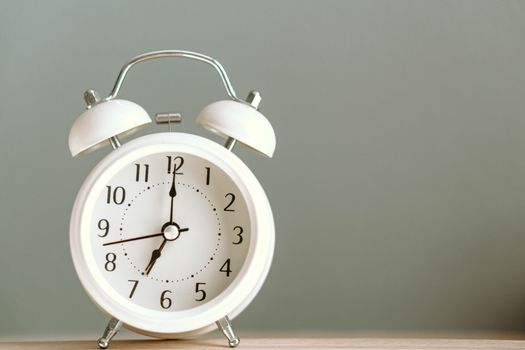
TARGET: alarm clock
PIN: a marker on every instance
(171, 234)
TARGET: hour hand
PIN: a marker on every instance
(154, 256)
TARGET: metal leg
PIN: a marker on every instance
(225, 326)
(114, 142)
(111, 329)
(230, 143)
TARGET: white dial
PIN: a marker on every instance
(170, 233)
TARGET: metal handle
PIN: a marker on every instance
(174, 53)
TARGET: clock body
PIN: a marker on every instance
(170, 233)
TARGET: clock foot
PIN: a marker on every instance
(225, 326)
(111, 329)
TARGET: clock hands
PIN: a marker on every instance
(170, 233)
(142, 237)
(170, 230)
(158, 252)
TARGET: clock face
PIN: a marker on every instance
(169, 231)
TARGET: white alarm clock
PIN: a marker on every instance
(171, 233)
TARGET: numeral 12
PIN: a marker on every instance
(174, 164)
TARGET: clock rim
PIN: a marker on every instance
(237, 295)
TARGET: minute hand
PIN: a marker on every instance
(173, 193)
(142, 237)
(133, 239)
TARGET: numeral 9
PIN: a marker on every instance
(103, 225)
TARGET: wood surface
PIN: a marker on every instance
(281, 343)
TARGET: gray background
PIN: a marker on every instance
(398, 184)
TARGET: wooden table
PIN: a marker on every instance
(303, 342)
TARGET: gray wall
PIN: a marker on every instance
(398, 184)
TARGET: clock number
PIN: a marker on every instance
(137, 172)
(103, 225)
(175, 163)
(135, 283)
(117, 196)
(239, 234)
(110, 262)
(165, 301)
(198, 290)
(208, 175)
(226, 268)
(232, 199)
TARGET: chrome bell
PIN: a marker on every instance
(240, 121)
(103, 122)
